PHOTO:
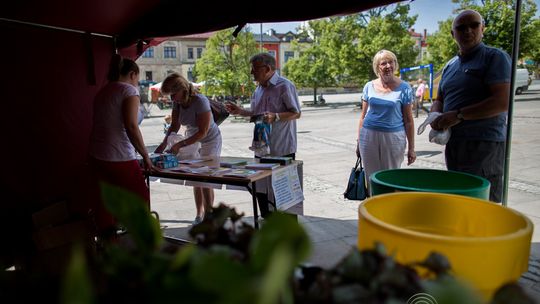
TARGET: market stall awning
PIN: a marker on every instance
(131, 21)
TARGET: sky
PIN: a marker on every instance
(428, 13)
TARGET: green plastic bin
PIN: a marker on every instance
(429, 180)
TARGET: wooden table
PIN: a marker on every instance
(249, 183)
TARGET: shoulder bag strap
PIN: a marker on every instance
(358, 163)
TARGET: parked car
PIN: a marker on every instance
(522, 81)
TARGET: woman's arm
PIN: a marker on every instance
(362, 117)
(360, 124)
(203, 125)
(130, 111)
(408, 121)
(173, 128)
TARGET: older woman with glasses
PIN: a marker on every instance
(386, 123)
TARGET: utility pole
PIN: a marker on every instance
(260, 41)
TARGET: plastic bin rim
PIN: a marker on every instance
(484, 181)
(522, 232)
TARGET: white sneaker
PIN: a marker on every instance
(197, 220)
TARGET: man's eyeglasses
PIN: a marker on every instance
(463, 27)
(256, 67)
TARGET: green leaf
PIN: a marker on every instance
(183, 256)
(215, 272)
(132, 212)
(276, 280)
(448, 290)
(77, 287)
(279, 229)
(511, 293)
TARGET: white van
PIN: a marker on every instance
(522, 81)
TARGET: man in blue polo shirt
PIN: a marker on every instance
(473, 97)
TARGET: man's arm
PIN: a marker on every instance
(437, 105)
(290, 99)
(235, 109)
(272, 117)
(492, 106)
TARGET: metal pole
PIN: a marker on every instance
(515, 54)
(260, 41)
(431, 82)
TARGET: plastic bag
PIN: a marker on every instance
(261, 139)
(438, 137)
(186, 152)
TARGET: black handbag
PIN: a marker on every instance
(356, 187)
(219, 112)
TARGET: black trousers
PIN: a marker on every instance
(481, 158)
(265, 205)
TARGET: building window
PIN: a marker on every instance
(148, 75)
(288, 55)
(169, 52)
(273, 53)
(190, 53)
(149, 53)
(199, 52)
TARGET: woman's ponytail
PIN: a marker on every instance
(121, 66)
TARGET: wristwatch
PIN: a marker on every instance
(459, 115)
(277, 117)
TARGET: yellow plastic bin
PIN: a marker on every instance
(429, 180)
(487, 244)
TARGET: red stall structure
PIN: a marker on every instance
(55, 57)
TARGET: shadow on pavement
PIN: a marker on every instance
(331, 105)
(428, 153)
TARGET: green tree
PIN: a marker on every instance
(346, 45)
(390, 32)
(499, 18)
(441, 46)
(535, 53)
(224, 66)
(310, 69)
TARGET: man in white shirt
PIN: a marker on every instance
(276, 98)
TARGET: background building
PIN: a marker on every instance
(177, 54)
(420, 43)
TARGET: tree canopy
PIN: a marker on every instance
(225, 66)
(499, 20)
(343, 47)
